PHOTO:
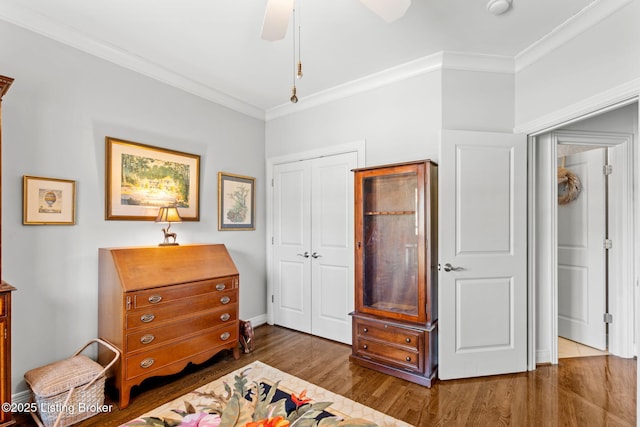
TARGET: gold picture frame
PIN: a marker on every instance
(48, 201)
(236, 202)
(142, 178)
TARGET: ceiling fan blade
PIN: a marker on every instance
(389, 10)
(276, 19)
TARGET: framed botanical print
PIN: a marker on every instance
(236, 202)
(48, 201)
(141, 178)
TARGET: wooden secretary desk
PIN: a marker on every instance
(165, 307)
(5, 307)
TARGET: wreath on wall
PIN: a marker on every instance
(571, 183)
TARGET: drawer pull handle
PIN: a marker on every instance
(365, 330)
(146, 318)
(365, 346)
(408, 359)
(146, 339)
(146, 363)
(225, 336)
(408, 340)
(225, 300)
(220, 286)
(154, 299)
(225, 317)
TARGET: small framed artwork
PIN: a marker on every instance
(236, 202)
(48, 201)
(141, 178)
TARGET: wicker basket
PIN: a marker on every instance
(70, 390)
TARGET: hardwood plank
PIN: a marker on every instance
(586, 391)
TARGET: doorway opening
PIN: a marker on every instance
(610, 136)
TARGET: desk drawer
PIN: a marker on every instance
(151, 337)
(150, 316)
(159, 357)
(171, 294)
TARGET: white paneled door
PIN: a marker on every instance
(482, 286)
(582, 254)
(313, 245)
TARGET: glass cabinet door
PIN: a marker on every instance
(391, 234)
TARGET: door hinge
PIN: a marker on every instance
(272, 182)
(272, 298)
(607, 169)
(272, 240)
(608, 318)
(608, 244)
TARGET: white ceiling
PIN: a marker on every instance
(213, 47)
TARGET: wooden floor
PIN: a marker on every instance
(586, 391)
(568, 348)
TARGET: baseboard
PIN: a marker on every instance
(21, 397)
(543, 357)
(258, 320)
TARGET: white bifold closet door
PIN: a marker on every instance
(313, 288)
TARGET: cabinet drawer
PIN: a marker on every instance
(171, 294)
(151, 337)
(389, 354)
(150, 316)
(154, 359)
(391, 334)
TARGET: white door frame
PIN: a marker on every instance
(543, 251)
(608, 100)
(621, 287)
(355, 146)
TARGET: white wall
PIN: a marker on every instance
(477, 101)
(399, 122)
(55, 118)
(604, 58)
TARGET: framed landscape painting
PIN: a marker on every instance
(48, 201)
(236, 202)
(141, 178)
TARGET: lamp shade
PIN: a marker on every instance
(168, 214)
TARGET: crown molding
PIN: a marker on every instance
(69, 36)
(401, 72)
(596, 12)
(40, 24)
(607, 100)
(478, 62)
(426, 64)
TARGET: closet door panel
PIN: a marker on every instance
(292, 244)
(332, 246)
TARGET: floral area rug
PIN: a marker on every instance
(261, 396)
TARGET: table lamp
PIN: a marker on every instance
(168, 214)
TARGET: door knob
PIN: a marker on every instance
(448, 267)
(304, 255)
(316, 255)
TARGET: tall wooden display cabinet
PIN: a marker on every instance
(395, 317)
(5, 305)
